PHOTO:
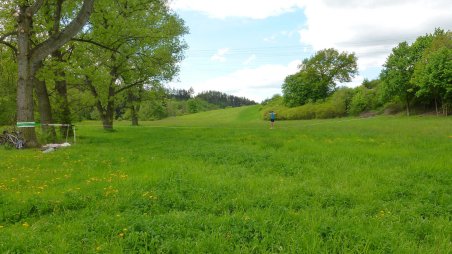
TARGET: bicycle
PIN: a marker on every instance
(12, 139)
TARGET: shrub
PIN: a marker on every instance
(304, 112)
(364, 100)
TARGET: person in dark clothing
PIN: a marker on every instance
(272, 119)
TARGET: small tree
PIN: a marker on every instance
(318, 76)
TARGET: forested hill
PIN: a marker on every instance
(224, 100)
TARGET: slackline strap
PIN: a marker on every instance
(26, 124)
(34, 124)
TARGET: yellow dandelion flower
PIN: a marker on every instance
(25, 225)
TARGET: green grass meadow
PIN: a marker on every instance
(224, 182)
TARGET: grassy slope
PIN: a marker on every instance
(221, 181)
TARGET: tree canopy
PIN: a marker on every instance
(433, 72)
(420, 71)
(21, 23)
(126, 44)
(318, 76)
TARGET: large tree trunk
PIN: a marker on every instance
(134, 115)
(132, 100)
(107, 120)
(45, 110)
(28, 58)
(63, 110)
(62, 103)
(106, 113)
(25, 77)
(110, 109)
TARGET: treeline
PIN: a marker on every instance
(416, 78)
(224, 100)
(169, 102)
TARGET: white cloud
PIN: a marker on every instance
(255, 9)
(371, 28)
(253, 83)
(220, 55)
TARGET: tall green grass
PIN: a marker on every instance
(223, 182)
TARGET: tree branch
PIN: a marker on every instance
(3, 37)
(95, 43)
(35, 7)
(57, 16)
(139, 82)
(56, 41)
(10, 45)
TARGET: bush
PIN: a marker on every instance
(304, 112)
(335, 106)
(364, 100)
(199, 105)
(342, 102)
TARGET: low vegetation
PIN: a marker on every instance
(223, 182)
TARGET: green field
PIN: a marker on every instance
(223, 182)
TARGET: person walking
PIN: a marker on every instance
(272, 119)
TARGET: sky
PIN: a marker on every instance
(246, 48)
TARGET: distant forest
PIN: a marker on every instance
(158, 103)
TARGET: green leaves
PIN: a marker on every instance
(318, 76)
(433, 72)
(421, 70)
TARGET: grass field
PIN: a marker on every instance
(223, 182)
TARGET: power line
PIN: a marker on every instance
(370, 43)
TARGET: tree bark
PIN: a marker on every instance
(106, 114)
(109, 112)
(45, 110)
(25, 77)
(107, 120)
(63, 110)
(134, 115)
(28, 58)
